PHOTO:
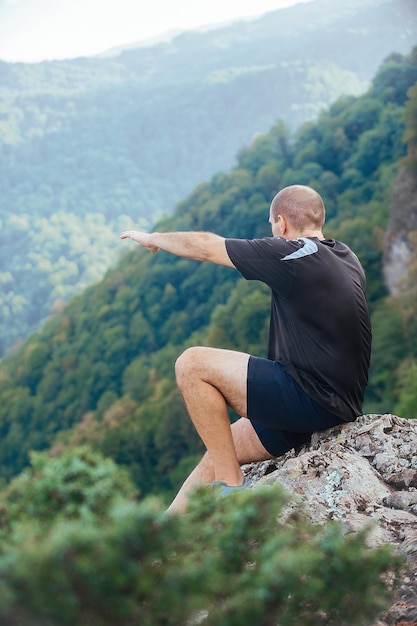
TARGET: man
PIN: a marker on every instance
(319, 343)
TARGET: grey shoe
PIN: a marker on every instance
(224, 489)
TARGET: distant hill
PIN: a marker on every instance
(93, 145)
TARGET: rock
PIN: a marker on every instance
(360, 473)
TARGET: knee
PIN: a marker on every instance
(187, 364)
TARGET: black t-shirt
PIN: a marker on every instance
(320, 328)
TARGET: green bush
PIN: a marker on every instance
(228, 562)
(80, 484)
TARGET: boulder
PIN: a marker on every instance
(363, 473)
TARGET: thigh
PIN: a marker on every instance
(256, 442)
(226, 370)
(248, 445)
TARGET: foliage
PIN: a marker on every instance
(407, 396)
(80, 484)
(228, 561)
(410, 136)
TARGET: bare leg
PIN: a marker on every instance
(209, 380)
(248, 450)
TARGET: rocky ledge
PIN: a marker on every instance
(360, 473)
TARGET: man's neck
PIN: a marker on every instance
(308, 233)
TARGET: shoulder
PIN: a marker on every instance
(348, 260)
(264, 245)
(339, 249)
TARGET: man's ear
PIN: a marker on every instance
(283, 224)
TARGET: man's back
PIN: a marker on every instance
(320, 329)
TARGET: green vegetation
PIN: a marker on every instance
(76, 548)
(102, 371)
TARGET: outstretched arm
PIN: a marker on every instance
(199, 246)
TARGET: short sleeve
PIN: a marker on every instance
(260, 259)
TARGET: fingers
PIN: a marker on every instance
(128, 234)
(135, 235)
(140, 238)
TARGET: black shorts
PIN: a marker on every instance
(282, 414)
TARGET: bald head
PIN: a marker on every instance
(301, 206)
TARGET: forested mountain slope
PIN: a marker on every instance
(102, 371)
(91, 145)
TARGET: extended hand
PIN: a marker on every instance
(144, 239)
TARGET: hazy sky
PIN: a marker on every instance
(34, 30)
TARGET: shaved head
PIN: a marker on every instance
(301, 206)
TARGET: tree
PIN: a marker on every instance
(395, 77)
(79, 484)
(410, 118)
(407, 400)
